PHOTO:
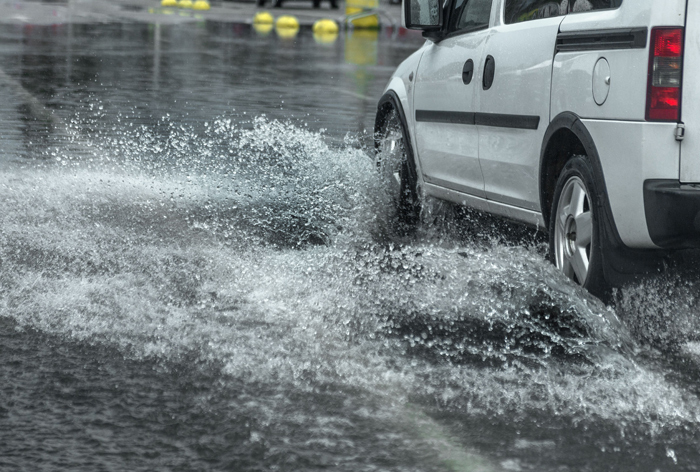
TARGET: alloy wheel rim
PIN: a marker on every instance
(574, 231)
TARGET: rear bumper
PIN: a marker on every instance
(672, 212)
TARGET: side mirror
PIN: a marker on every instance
(423, 15)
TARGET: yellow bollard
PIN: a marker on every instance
(263, 29)
(201, 5)
(169, 3)
(287, 22)
(287, 27)
(263, 18)
(185, 4)
(325, 38)
(325, 26)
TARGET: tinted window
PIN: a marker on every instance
(525, 10)
(470, 15)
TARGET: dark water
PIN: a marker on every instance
(194, 276)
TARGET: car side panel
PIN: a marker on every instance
(572, 80)
(630, 153)
(630, 149)
(572, 84)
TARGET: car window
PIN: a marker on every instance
(470, 15)
(526, 10)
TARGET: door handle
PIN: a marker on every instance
(468, 72)
(489, 72)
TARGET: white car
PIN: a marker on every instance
(581, 117)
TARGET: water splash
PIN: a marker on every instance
(260, 249)
(662, 312)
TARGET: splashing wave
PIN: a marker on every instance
(265, 251)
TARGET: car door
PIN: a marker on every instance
(513, 99)
(446, 138)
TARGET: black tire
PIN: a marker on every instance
(260, 3)
(576, 234)
(316, 3)
(395, 162)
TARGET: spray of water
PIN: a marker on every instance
(260, 249)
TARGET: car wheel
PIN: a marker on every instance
(397, 168)
(575, 234)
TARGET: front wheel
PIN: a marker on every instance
(397, 167)
(575, 231)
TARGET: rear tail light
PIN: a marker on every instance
(665, 72)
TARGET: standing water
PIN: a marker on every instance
(199, 270)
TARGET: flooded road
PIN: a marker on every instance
(199, 270)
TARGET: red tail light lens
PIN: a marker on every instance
(667, 42)
(665, 73)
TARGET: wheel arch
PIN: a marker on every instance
(566, 137)
(408, 206)
(390, 100)
(566, 134)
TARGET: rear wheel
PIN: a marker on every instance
(575, 234)
(397, 167)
